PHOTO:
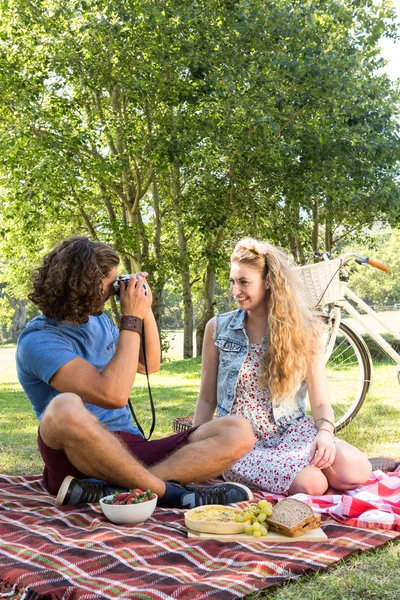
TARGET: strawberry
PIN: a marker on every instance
(121, 496)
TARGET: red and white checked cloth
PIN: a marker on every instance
(374, 504)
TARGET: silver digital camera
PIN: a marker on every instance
(124, 279)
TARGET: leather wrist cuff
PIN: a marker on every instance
(131, 323)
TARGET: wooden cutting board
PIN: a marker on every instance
(314, 535)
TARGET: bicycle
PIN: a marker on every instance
(347, 357)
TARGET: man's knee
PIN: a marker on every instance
(64, 413)
(239, 434)
(63, 406)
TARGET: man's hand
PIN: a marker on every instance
(134, 298)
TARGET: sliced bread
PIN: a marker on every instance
(292, 517)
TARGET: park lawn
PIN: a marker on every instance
(376, 430)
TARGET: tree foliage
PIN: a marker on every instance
(372, 285)
(169, 129)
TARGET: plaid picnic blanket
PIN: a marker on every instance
(74, 553)
(374, 504)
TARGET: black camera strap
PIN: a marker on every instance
(153, 412)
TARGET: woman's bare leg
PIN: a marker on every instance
(309, 480)
(350, 468)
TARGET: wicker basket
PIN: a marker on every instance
(182, 424)
(321, 281)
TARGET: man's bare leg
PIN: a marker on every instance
(67, 425)
(213, 447)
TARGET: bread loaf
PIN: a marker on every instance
(292, 517)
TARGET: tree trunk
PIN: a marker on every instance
(188, 311)
(115, 311)
(300, 252)
(328, 235)
(158, 287)
(293, 247)
(228, 302)
(208, 311)
(315, 229)
(19, 317)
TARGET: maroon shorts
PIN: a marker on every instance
(57, 465)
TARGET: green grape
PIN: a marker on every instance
(261, 517)
(254, 516)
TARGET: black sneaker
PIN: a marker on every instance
(76, 491)
(189, 496)
(382, 463)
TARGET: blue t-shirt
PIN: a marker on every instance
(46, 345)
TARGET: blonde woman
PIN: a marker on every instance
(261, 361)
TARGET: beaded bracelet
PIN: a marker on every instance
(327, 421)
(325, 429)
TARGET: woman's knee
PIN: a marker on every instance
(361, 470)
(350, 474)
(350, 468)
(309, 481)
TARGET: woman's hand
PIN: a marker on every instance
(323, 450)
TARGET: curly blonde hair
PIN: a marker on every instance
(68, 286)
(294, 333)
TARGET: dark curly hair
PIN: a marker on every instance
(68, 285)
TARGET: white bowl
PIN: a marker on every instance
(128, 513)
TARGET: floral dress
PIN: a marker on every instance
(277, 457)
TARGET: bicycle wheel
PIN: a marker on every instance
(349, 369)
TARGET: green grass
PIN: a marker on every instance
(174, 337)
(376, 430)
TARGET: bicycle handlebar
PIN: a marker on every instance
(363, 260)
(378, 265)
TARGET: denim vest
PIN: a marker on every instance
(232, 342)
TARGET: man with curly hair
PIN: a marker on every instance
(77, 370)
